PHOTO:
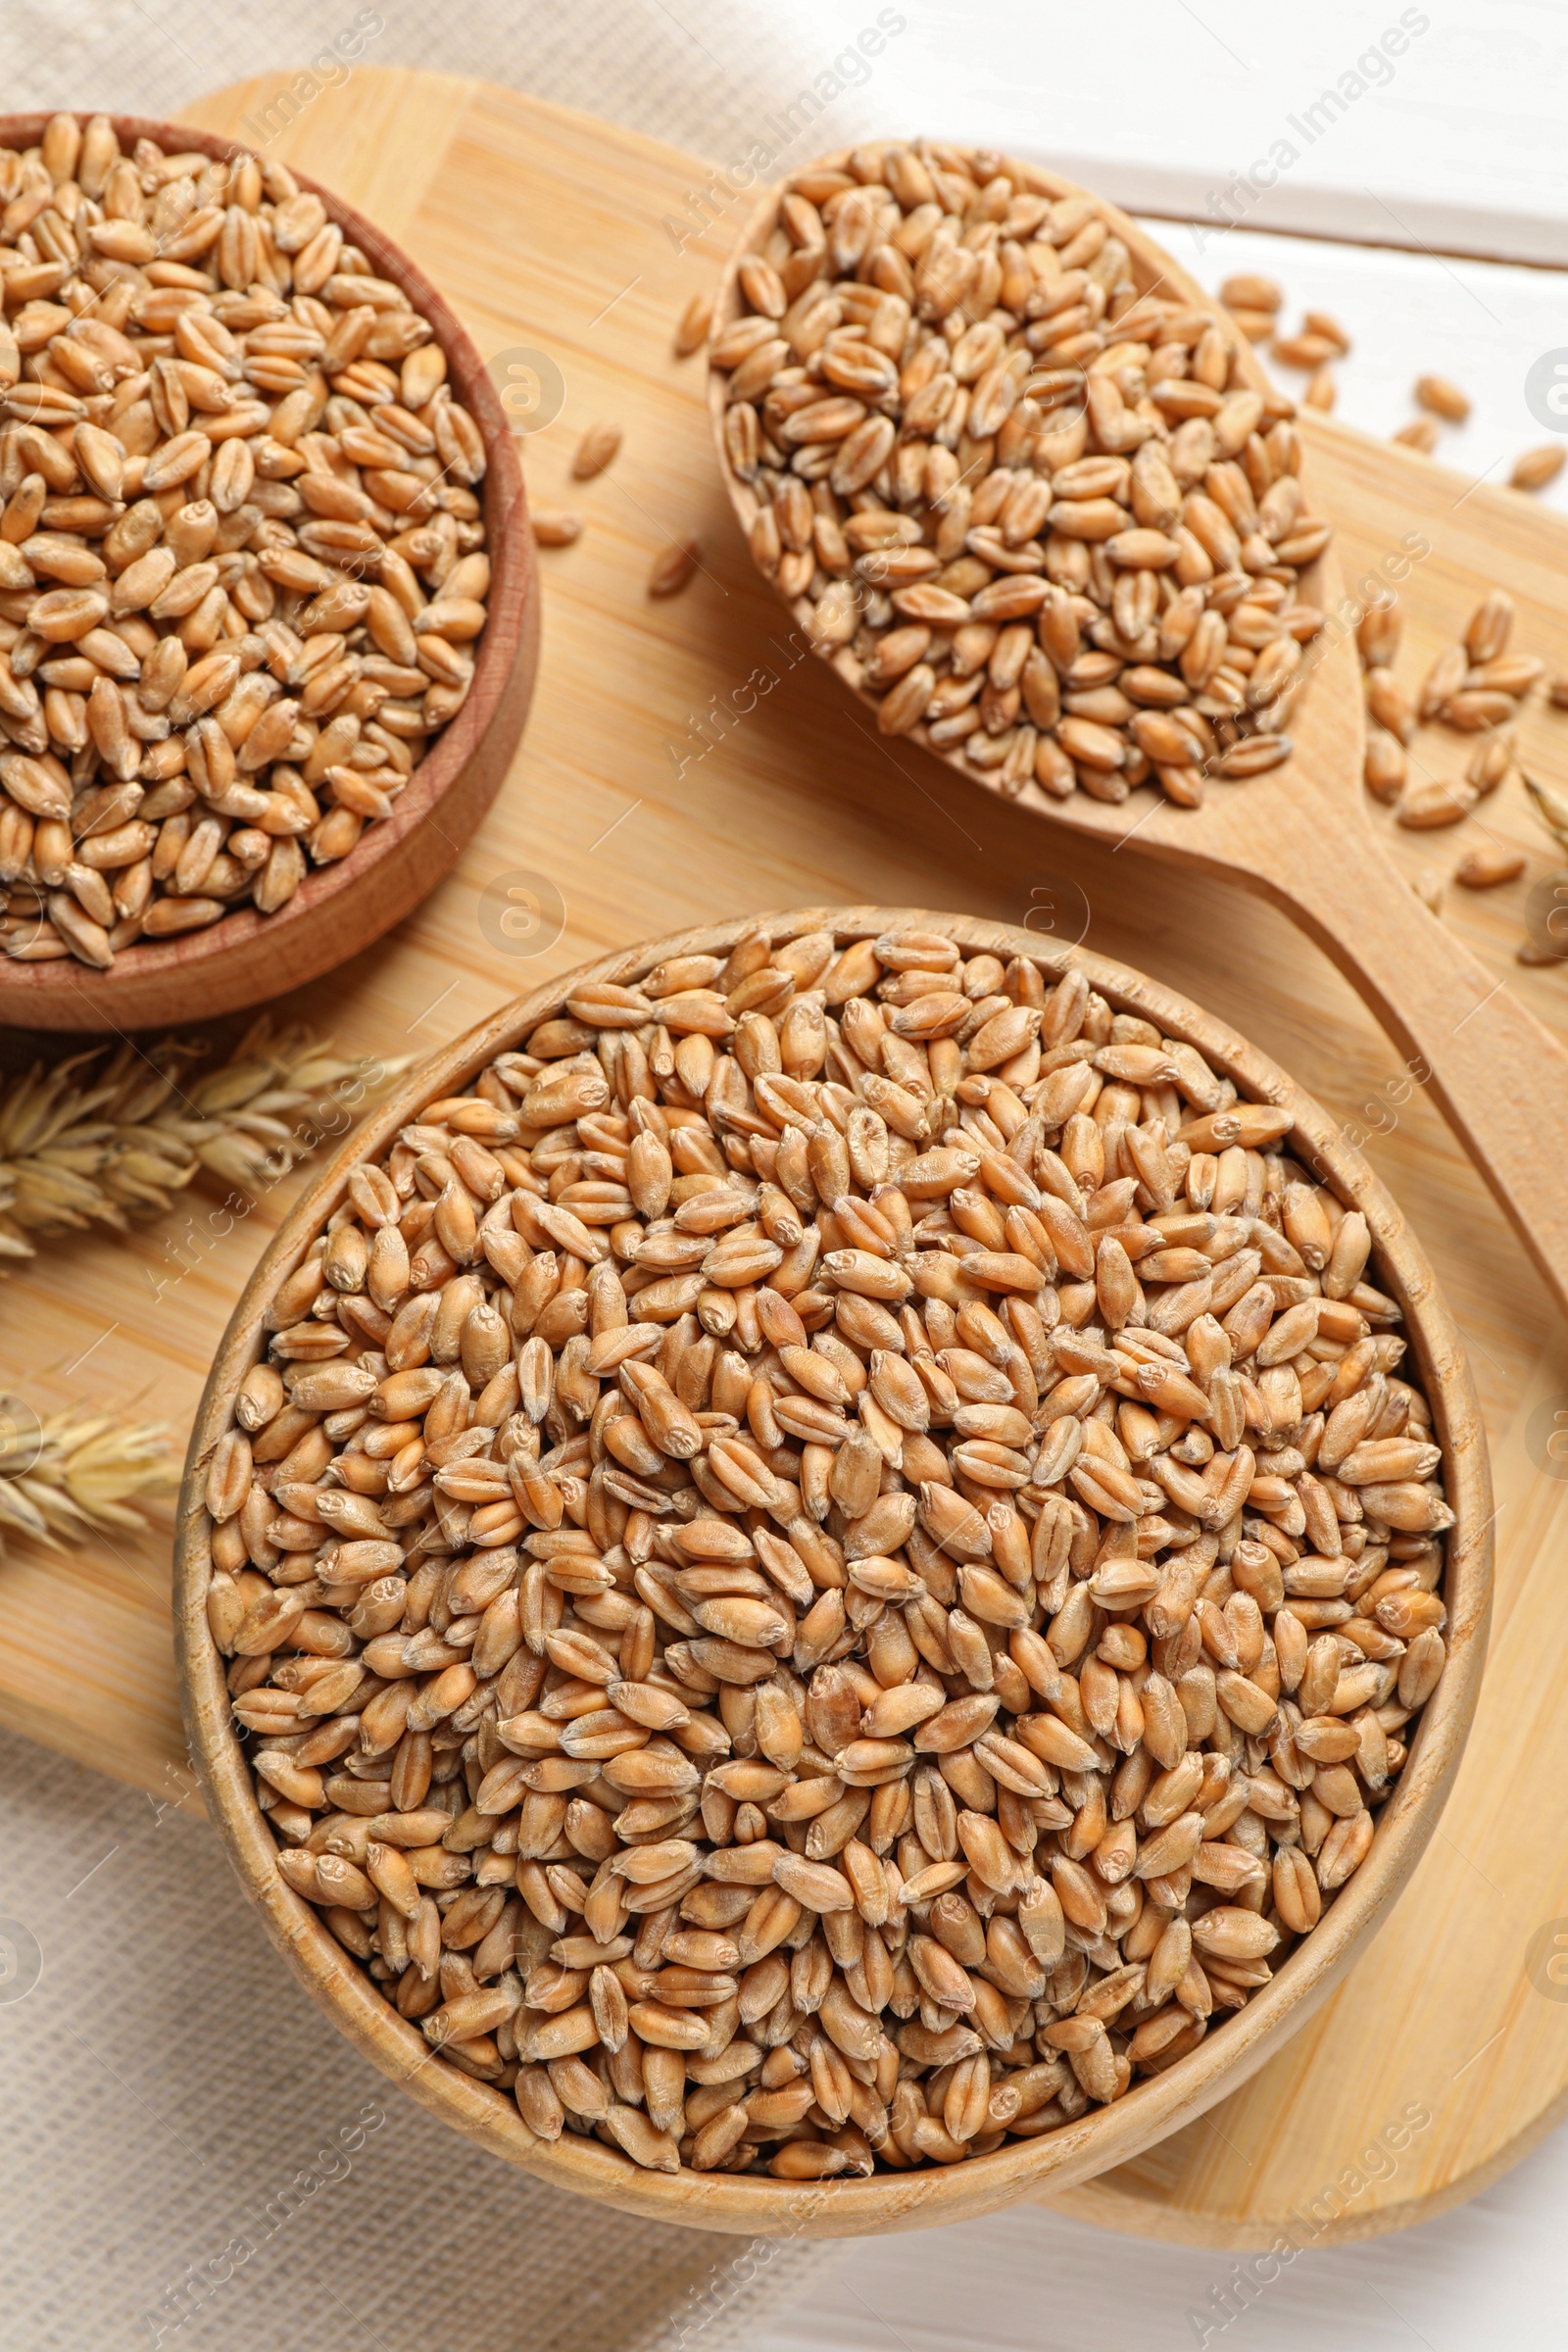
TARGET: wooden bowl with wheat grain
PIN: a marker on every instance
(1103, 2136)
(246, 956)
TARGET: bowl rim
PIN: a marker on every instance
(29, 987)
(1103, 2136)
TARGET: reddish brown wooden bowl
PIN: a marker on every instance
(246, 956)
(749, 2204)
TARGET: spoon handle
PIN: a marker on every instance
(1499, 1077)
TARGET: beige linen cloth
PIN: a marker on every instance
(191, 2156)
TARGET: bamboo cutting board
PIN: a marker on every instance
(685, 761)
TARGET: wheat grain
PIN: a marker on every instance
(1474, 686)
(1248, 292)
(556, 526)
(1538, 466)
(1487, 865)
(1436, 804)
(696, 323)
(1254, 303)
(243, 569)
(673, 566)
(1387, 764)
(1444, 399)
(1327, 327)
(596, 449)
(802, 1546)
(1551, 805)
(1306, 350)
(1044, 519)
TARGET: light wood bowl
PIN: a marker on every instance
(1106, 2135)
(246, 956)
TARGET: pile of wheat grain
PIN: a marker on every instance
(242, 565)
(831, 1562)
(1049, 523)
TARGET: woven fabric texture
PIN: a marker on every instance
(193, 2157)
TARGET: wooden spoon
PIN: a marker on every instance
(1298, 836)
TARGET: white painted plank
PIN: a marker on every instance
(1484, 326)
(1027, 2280)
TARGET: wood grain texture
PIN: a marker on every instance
(341, 908)
(1300, 836)
(685, 763)
(1103, 2136)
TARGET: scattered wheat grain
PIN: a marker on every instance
(596, 449)
(1444, 399)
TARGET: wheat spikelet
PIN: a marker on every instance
(109, 1138)
(72, 1471)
